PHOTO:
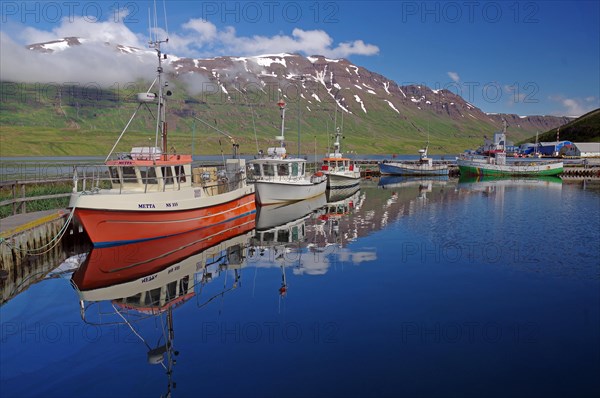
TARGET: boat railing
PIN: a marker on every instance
(279, 178)
(90, 179)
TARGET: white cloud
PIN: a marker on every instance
(197, 38)
(102, 31)
(575, 106)
(201, 38)
(454, 76)
(308, 42)
(87, 64)
(205, 31)
(513, 96)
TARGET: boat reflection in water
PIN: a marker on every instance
(281, 233)
(425, 184)
(341, 203)
(479, 183)
(169, 272)
(311, 235)
(393, 182)
(275, 215)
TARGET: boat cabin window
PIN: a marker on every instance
(171, 291)
(295, 236)
(148, 175)
(256, 169)
(129, 175)
(114, 175)
(294, 169)
(184, 284)
(268, 170)
(167, 174)
(283, 169)
(283, 236)
(180, 173)
(152, 297)
(135, 299)
(268, 237)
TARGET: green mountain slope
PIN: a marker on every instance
(585, 128)
(239, 96)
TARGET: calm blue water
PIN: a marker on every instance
(416, 288)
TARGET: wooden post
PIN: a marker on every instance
(23, 204)
(14, 195)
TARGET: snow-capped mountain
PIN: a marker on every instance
(371, 101)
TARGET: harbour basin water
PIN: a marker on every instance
(419, 288)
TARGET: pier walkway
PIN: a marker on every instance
(18, 223)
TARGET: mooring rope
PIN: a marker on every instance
(48, 246)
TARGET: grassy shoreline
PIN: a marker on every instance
(18, 141)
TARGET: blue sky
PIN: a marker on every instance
(503, 56)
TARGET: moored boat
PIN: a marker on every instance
(278, 178)
(341, 171)
(424, 166)
(156, 192)
(497, 164)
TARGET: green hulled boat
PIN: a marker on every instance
(494, 162)
(498, 166)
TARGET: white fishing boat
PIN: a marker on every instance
(424, 166)
(278, 178)
(156, 192)
(341, 171)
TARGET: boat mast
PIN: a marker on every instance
(281, 105)
(336, 144)
(161, 123)
(504, 127)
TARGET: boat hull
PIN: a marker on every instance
(108, 266)
(110, 226)
(342, 181)
(272, 192)
(477, 168)
(412, 169)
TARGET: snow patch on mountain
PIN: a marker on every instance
(362, 105)
(386, 87)
(269, 61)
(392, 106)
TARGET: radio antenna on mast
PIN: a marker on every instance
(165, 16)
